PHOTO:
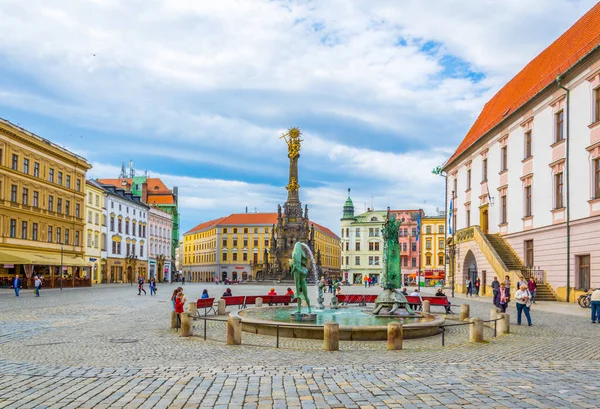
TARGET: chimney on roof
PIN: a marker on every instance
(145, 192)
(246, 209)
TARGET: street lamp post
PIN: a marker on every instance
(62, 249)
(440, 172)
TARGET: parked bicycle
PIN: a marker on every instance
(585, 300)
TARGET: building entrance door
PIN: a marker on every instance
(483, 217)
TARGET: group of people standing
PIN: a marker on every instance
(473, 287)
(524, 297)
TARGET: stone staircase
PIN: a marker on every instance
(513, 262)
(506, 252)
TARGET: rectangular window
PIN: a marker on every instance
(414, 246)
(357, 232)
(120, 225)
(428, 260)
(112, 223)
(441, 260)
(377, 246)
(58, 235)
(13, 193)
(114, 247)
(455, 191)
(244, 256)
(25, 196)
(559, 133)
(34, 231)
(527, 201)
(224, 257)
(441, 229)
(468, 179)
(58, 205)
(235, 230)
(414, 262)
(51, 175)
(503, 210)
(357, 260)
(527, 149)
(347, 246)
(66, 236)
(67, 207)
(371, 246)
(126, 226)
(558, 191)
(441, 244)
(347, 260)
(78, 185)
(405, 262)
(528, 253)
(224, 242)
(428, 244)
(60, 178)
(51, 203)
(128, 249)
(13, 228)
(370, 260)
(504, 158)
(36, 199)
(468, 215)
(484, 169)
(49, 234)
(234, 257)
(235, 242)
(596, 178)
(15, 162)
(597, 104)
(583, 272)
(141, 250)
(68, 182)
(36, 169)
(77, 211)
(376, 260)
(26, 166)
(357, 245)
(245, 242)
(266, 243)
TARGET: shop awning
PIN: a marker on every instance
(48, 259)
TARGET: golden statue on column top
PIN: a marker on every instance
(292, 138)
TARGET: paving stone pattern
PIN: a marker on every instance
(107, 347)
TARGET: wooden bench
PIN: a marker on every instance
(346, 299)
(251, 299)
(207, 304)
(279, 299)
(439, 302)
(236, 300)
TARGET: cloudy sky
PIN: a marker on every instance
(198, 92)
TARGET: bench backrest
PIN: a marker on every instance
(413, 299)
(237, 300)
(437, 300)
(251, 299)
(276, 299)
(205, 302)
(351, 298)
(370, 298)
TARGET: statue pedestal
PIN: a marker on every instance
(303, 316)
(392, 300)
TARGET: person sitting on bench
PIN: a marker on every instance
(440, 293)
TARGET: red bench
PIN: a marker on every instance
(351, 299)
(280, 299)
(237, 300)
(440, 302)
(207, 304)
(370, 298)
(251, 299)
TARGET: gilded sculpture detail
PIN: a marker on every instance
(292, 138)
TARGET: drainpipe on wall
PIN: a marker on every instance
(567, 173)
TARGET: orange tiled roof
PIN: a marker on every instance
(155, 185)
(160, 199)
(115, 182)
(562, 54)
(239, 219)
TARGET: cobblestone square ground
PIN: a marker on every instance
(107, 347)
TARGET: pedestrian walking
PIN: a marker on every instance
(330, 285)
(595, 304)
(182, 280)
(37, 283)
(496, 291)
(152, 285)
(17, 284)
(532, 286)
(216, 281)
(523, 300)
(503, 301)
(521, 282)
(469, 287)
(507, 286)
(477, 286)
(141, 286)
(370, 281)
(365, 281)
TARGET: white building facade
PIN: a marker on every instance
(125, 241)
(160, 264)
(528, 171)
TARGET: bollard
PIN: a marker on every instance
(426, 306)
(192, 308)
(258, 302)
(476, 330)
(394, 336)
(173, 319)
(234, 330)
(331, 336)
(493, 315)
(186, 325)
(464, 312)
(504, 323)
(221, 307)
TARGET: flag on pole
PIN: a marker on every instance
(450, 211)
(418, 226)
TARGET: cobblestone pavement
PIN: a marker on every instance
(106, 347)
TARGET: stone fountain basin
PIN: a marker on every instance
(250, 323)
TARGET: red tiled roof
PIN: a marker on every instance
(155, 185)
(239, 219)
(562, 54)
(160, 199)
(115, 182)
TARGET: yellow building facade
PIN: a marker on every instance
(42, 208)
(433, 246)
(94, 202)
(237, 246)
